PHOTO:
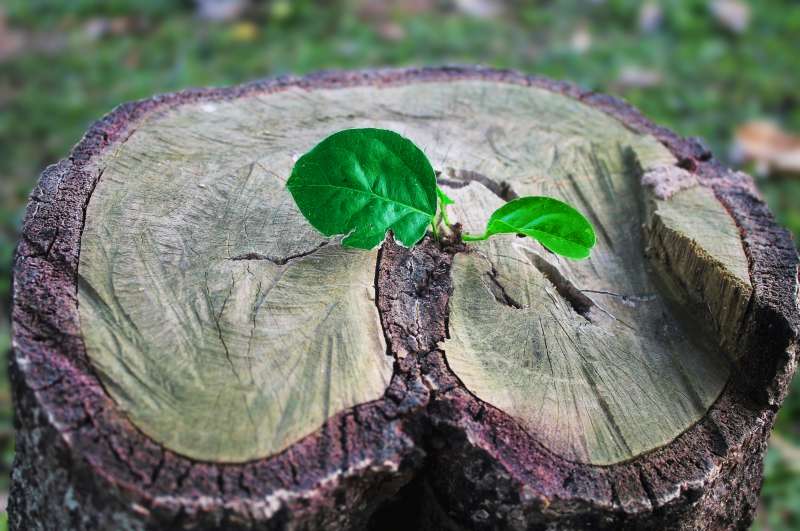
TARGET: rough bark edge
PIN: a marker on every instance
(49, 365)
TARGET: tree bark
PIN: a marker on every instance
(190, 354)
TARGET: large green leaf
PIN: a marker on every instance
(556, 225)
(363, 182)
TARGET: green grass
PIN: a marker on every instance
(711, 81)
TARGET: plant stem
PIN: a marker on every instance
(443, 209)
(472, 238)
(434, 229)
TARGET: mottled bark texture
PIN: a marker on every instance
(516, 391)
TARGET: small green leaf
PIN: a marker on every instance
(443, 197)
(556, 225)
(363, 182)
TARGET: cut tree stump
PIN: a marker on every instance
(190, 354)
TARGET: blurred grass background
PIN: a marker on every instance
(702, 68)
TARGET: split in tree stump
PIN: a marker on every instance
(189, 353)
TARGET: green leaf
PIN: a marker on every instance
(556, 225)
(363, 182)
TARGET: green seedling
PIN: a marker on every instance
(364, 182)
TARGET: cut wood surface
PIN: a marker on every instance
(222, 324)
(588, 355)
(201, 356)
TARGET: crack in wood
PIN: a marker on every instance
(459, 178)
(275, 260)
(568, 291)
(499, 291)
(632, 299)
(217, 317)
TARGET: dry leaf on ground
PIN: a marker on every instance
(771, 149)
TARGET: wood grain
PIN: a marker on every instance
(222, 323)
(590, 356)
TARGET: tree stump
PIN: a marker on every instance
(190, 354)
